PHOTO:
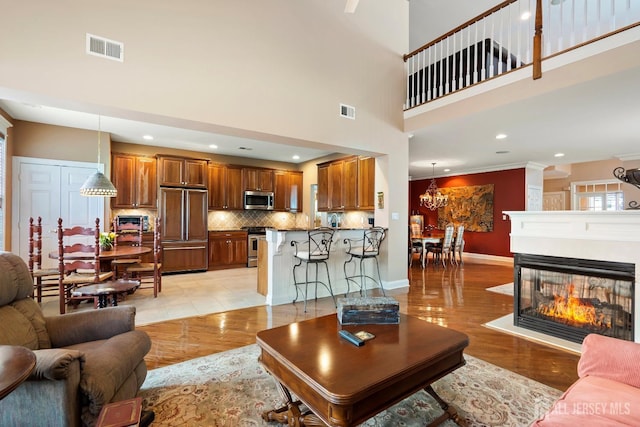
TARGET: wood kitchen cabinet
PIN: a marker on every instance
(323, 188)
(336, 187)
(257, 179)
(182, 172)
(366, 183)
(227, 249)
(287, 191)
(350, 184)
(135, 179)
(225, 187)
(346, 184)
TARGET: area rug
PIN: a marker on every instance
(506, 289)
(232, 389)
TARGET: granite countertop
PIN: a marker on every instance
(310, 229)
(226, 230)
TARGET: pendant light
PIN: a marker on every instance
(98, 185)
(432, 198)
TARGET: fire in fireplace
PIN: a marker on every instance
(570, 298)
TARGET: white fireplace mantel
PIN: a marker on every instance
(606, 236)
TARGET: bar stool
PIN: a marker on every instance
(363, 249)
(314, 250)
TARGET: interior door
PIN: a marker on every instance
(50, 189)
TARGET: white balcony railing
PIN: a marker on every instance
(504, 38)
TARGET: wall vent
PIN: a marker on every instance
(99, 46)
(348, 111)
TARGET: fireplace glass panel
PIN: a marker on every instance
(569, 299)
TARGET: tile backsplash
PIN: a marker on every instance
(233, 220)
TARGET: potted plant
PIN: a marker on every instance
(106, 240)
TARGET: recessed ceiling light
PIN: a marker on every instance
(558, 155)
(525, 15)
(214, 146)
(447, 170)
(501, 136)
(148, 138)
(295, 157)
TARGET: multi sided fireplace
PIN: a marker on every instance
(570, 298)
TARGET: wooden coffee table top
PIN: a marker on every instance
(313, 362)
(16, 363)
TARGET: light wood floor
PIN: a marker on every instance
(455, 298)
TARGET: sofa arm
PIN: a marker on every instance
(610, 358)
(84, 326)
(55, 363)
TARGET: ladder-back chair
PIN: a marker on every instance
(78, 261)
(129, 234)
(45, 280)
(150, 272)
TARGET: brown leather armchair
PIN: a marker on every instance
(84, 360)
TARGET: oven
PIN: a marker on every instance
(253, 235)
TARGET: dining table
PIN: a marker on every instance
(424, 240)
(116, 252)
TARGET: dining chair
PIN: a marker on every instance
(443, 252)
(416, 246)
(367, 248)
(129, 234)
(150, 272)
(45, 280)
(458, 244)
(78, 262)
(315, 250)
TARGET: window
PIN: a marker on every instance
(597, 196)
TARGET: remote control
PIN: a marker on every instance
(351, 338)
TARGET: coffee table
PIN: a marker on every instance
(105, 290)
(344, 385)
(16, 364)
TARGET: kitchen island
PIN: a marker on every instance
(280, 262)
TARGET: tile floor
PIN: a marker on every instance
(188, 294)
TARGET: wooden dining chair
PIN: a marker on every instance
(78, 262)
(415, 246)
(150, 272)
(129, 234)
(45, 280)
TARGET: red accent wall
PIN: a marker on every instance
(508, 195)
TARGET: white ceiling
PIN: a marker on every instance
(588, 111)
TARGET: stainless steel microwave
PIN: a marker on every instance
(134, 219)
(258, 200)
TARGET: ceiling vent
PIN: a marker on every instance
(99, 46)
(348, 111)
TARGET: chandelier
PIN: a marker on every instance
(433, 199)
